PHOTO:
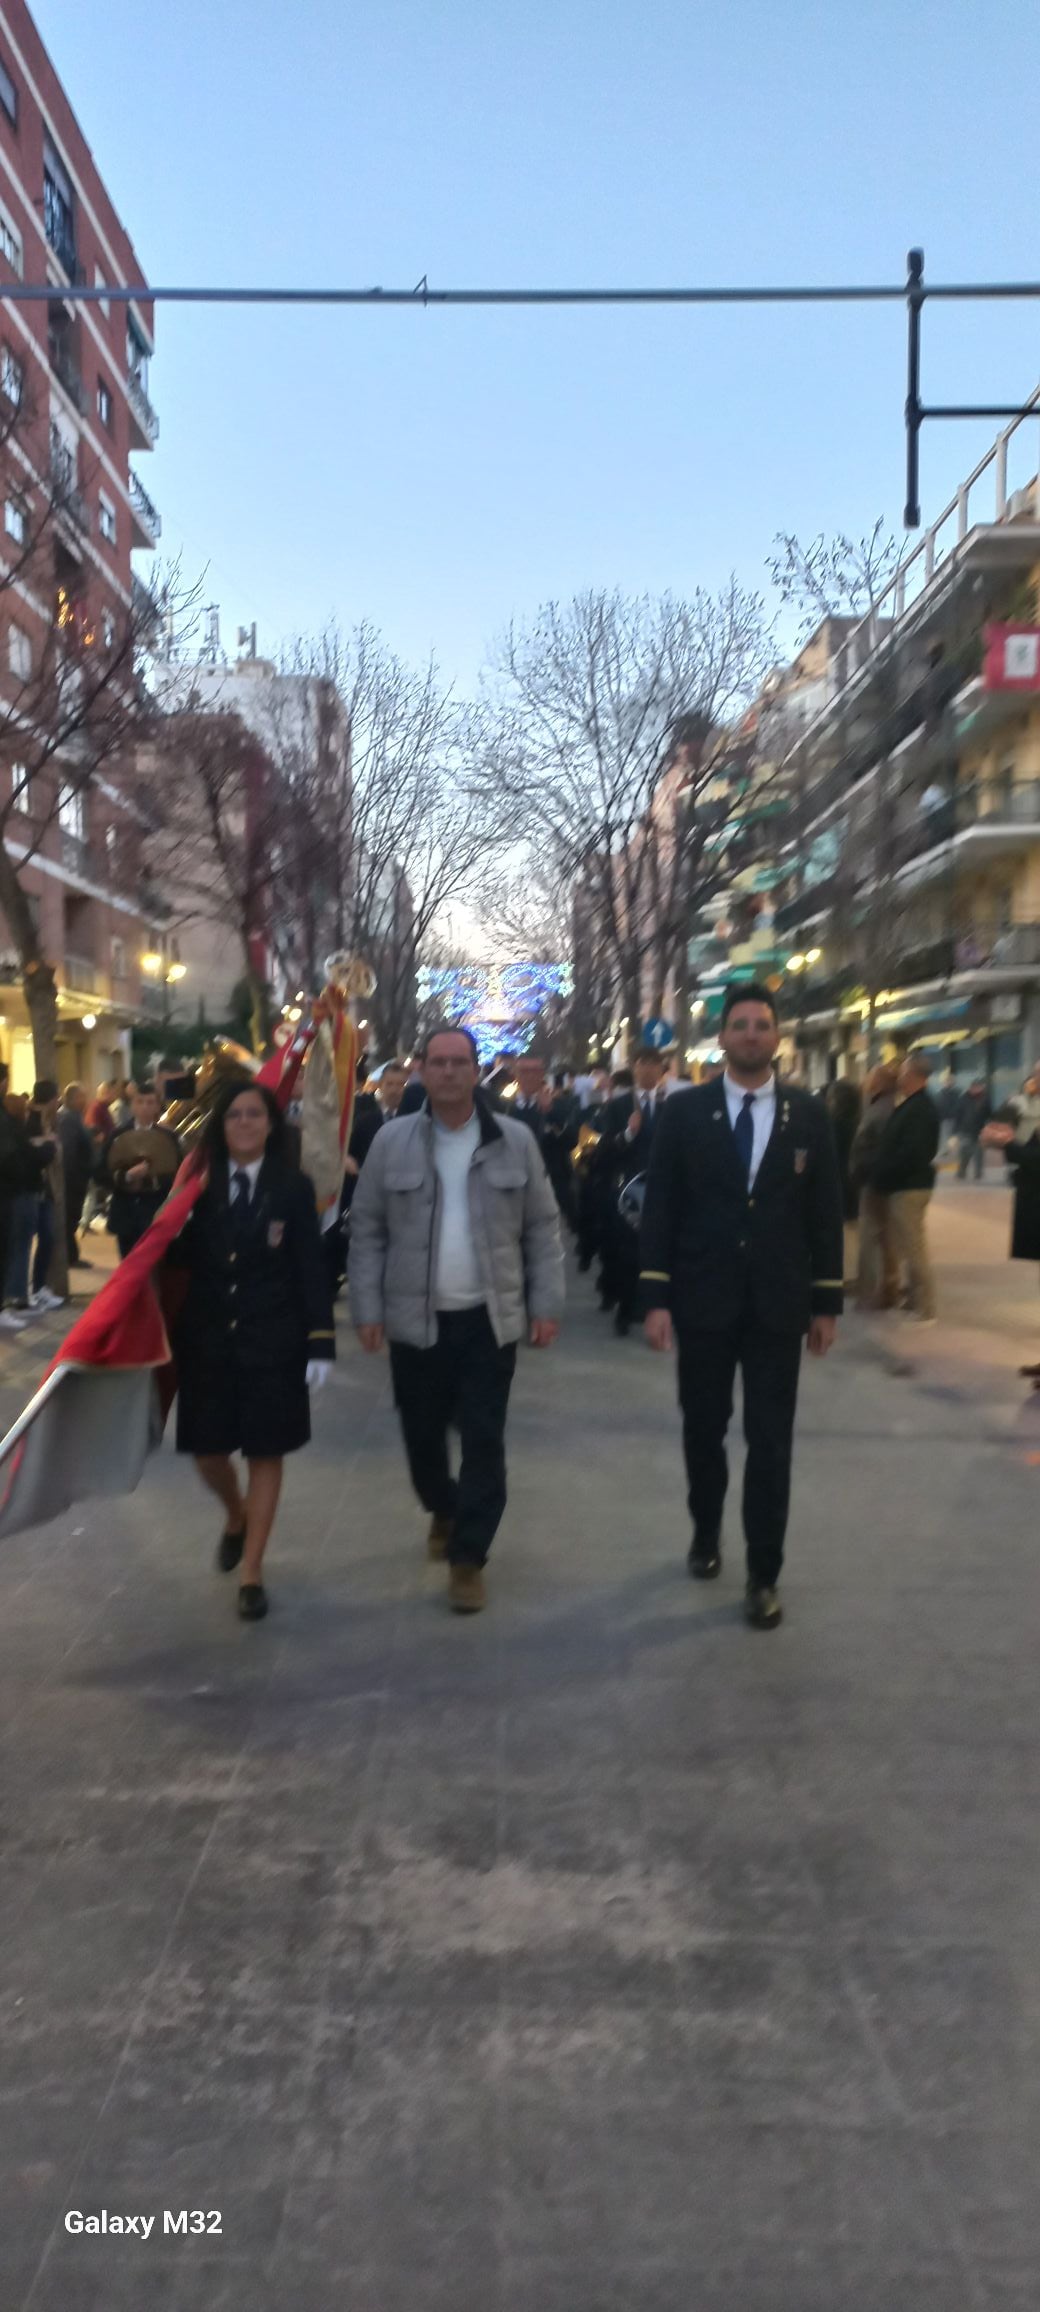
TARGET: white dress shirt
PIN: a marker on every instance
(252, 1173)
(763, 1116)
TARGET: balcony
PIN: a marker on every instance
(976, 825)
(145, 521)
(69, 503)
(66, 370)
(82, 976)
(144, 424)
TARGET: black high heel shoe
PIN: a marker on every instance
(229, 1551)
(252, 1601)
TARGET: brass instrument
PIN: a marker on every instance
(223, 1062)
(583, 1155)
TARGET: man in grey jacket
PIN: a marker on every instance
(454, 1254)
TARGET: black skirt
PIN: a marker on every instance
(228, 1408)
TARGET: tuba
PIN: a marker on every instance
(222, 1062)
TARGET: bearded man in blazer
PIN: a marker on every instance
(742, 1259)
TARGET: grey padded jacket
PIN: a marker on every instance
(395, 1219)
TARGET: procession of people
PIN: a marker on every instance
(730, 1224)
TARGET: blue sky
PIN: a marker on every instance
(439, 472)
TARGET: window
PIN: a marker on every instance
(19, 652)
(59, 216)
(104, 403)
(16, 521)
(21, 787)
(118, 950)
(12, 376)
(111, 844)
(71, 816)
(107, 519)
(100, 283)
(8, 95)
(136, 355)
(10, 242)
(108, 637)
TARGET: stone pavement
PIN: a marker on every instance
(593, 1956)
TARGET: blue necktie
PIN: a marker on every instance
(744, 1134)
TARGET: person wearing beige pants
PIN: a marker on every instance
(904, 1171)
(908, 1208)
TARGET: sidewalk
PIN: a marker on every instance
(24, 1357)
(596, 1955)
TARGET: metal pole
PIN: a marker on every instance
(915, 296)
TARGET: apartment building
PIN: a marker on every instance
(911, 870)
(74, 413)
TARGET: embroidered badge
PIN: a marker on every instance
(275, 1233)
(801, 1158)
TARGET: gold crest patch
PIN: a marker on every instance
(275, 1233)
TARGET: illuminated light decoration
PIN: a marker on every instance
(499, 1005)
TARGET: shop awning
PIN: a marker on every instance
(922, 1015)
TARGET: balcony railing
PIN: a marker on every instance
(145, 419)
(982, 805)
(82, 976)
(63, 363)
(68, 498)
(60, 237)
(145, 518)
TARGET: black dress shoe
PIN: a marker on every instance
(704, 1557)
(762, 1607)
(622, 1326)
(252, 1601)
(229, 1551)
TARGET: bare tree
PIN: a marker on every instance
(838, 577)
(222, 825)
(72, 701)
(596, 745)
(402, 835)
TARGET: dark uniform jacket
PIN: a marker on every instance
(1023, 1156)
(716, 1254)
(132, 1210)
(907, 1148)
(258, 1292)
(628, 1158)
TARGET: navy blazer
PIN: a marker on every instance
(715, 1252)
(260, 1292)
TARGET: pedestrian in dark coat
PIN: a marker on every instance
(844, 1103)
(631, 1121)
(742, 1258)
(256, 1331)
(1021, 1145)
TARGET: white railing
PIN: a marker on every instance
(917, 570)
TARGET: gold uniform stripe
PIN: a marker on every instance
(828, 1284)
(654, 1276)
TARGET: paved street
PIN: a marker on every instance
(595, 1955)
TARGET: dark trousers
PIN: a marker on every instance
(461, 1384)
(75, 1194)
(621, 1264)
(44, 1243)
(769, 1363)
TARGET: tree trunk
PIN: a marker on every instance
(40, 989)
(259, 1013)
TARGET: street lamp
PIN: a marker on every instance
(156, 968)
(801, 965)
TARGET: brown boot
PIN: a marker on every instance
(439, 1537)
(467, 1590)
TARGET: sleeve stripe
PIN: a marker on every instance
(828, 1284)
(654, 1276)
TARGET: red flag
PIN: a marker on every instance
(98, 1411)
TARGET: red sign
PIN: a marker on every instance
(1012, 660)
